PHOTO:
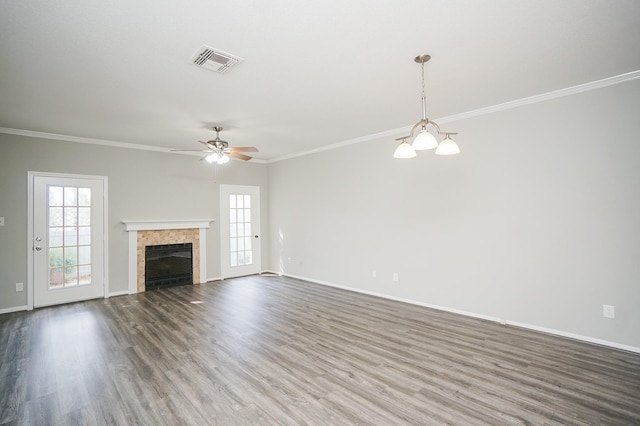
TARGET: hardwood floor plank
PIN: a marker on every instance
(274, 350)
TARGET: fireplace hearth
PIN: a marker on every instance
(168, 265)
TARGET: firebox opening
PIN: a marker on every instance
(168, 265)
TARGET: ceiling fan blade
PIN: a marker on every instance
(191, 150)
(244, 149)
(239, 156)
(207, 144)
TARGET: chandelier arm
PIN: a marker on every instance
(424, 123)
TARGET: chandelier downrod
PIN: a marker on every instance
(425, 140)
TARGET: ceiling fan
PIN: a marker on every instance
(218, 151)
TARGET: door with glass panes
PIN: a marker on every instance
(239, 230)
(68, 261)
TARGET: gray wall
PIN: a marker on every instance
(536, 222)
(142, 185)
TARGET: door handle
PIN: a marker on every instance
(38, 248)
(255, 236)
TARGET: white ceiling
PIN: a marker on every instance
(315, 73)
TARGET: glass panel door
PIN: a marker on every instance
(240, 230)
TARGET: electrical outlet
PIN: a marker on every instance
(374, 273)
(1, 221)
(19, 287)
(608, 311)
(395, 277)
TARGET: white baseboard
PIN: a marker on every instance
(117, 293)
(212, 279)
(474, 315)
(575, 336)
(13, 309)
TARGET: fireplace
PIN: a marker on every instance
(143, 233)
(168, 265)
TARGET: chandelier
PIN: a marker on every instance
(424, 139)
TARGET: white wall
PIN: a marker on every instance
(536, 222)
(142, 185)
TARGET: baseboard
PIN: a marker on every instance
(506, 322)
(212, 279)
(117, 293)
(575, 336)
(13, 309)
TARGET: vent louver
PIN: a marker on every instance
(214, 59)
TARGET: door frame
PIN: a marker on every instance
(224, 242)
(30, 210)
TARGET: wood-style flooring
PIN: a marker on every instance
(273, 350)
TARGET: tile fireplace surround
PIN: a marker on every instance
(146, 232)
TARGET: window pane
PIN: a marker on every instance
(84, 216)
(241, 258)
(56, 277)
(55, 196)
(240, 201)
(84, 274)
(71, 276)
(233, 259)
(240, 244)
(70, 237)
(55, 237)
(247, 215)
(232, 201)
(233, 215)
(84, 197)
(247, 229)
(55, 257)
(247, 243)
(84, 235)
(247, 258)
(233, 246)
(240, 215)
(70, 216)
(232, 230)
(70, 196)
(84, 255)
(247, 201)
(55, 216)
(70, 256)
(240, 230)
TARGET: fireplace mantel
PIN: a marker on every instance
(152, 225)
(133, 226)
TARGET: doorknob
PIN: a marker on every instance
(38, 248)
(255, 236)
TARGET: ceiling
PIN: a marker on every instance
(315, 73)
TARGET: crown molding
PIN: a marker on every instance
(610, 81)
(598, 84)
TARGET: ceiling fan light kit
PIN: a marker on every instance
(218, 151)
(424, 139)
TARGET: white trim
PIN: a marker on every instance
(505, 322)
(118, 293)
(159, 225)
(575, 336)
(622, 78)
(14, 309)
(212, 279)
(203, 254)
(133, 262)
(388, 133)
(102, 142)
(105, 238)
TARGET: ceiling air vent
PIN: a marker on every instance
(214, 60)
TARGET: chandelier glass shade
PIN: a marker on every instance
(424, 139)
